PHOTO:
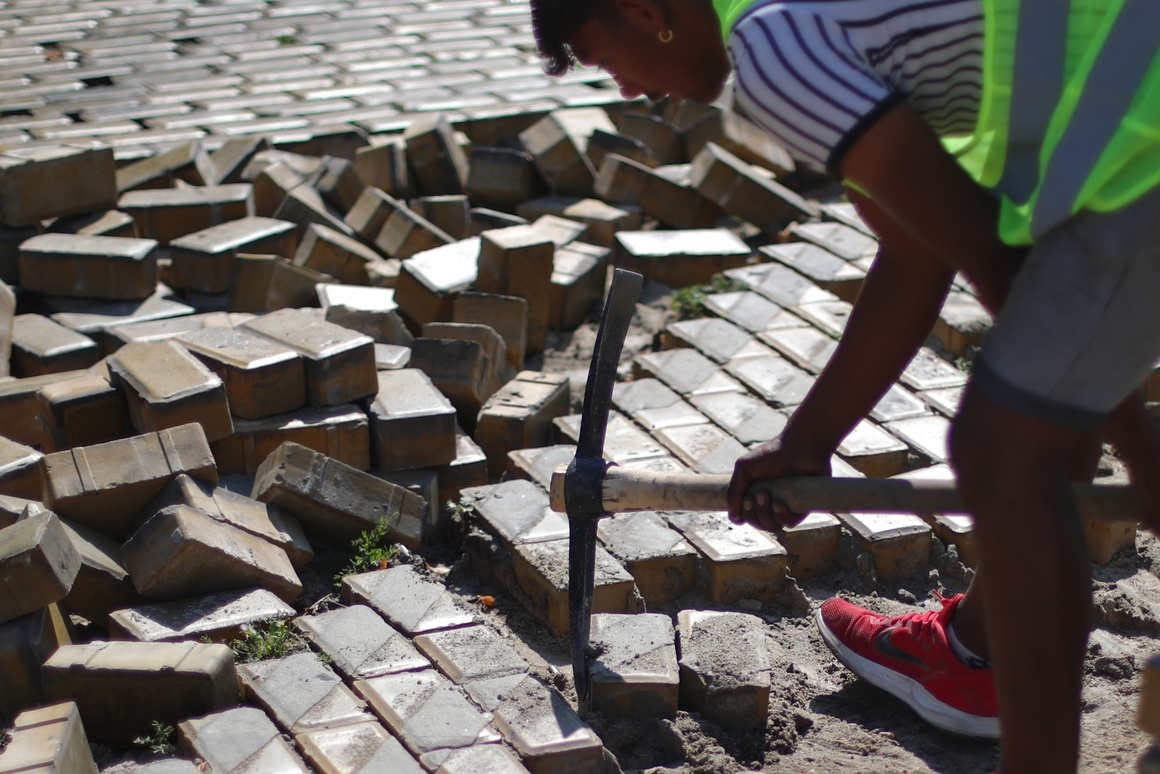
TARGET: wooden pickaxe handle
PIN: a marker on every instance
(624, 489)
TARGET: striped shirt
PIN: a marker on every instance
(816, 73)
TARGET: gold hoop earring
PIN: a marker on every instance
(665, 37)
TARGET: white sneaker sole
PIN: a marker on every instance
(930, 709)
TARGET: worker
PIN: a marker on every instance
(1013, 142)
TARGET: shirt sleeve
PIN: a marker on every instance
(797, 74)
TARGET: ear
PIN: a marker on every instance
(646, 16)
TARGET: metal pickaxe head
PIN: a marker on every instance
(582, 482)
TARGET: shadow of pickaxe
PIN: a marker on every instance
(591, 487)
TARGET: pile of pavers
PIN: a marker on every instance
(220, 353)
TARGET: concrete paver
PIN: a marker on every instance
(360, 644)
(300, 693)
(724, 666)
(239, 740)
(636, 672)
(221, 617)
(49, 738)
(122, 687)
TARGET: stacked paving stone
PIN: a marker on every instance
(274, 273)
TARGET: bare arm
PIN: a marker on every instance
(892, 316)
(900, 163)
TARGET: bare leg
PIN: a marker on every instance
(969, 621)
(1034, 586)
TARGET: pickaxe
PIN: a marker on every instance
(591, 487)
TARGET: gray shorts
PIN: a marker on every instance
(1081, 327)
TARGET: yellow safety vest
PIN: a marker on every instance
(1070, 114)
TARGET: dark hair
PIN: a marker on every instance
(552, 22)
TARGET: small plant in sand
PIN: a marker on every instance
(372, 550)
(160, 742)
(689, 303)
(266, 640)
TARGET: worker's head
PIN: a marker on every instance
(649, 47)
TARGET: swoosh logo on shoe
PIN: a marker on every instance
(883, 644)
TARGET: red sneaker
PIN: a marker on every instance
(909, 656)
